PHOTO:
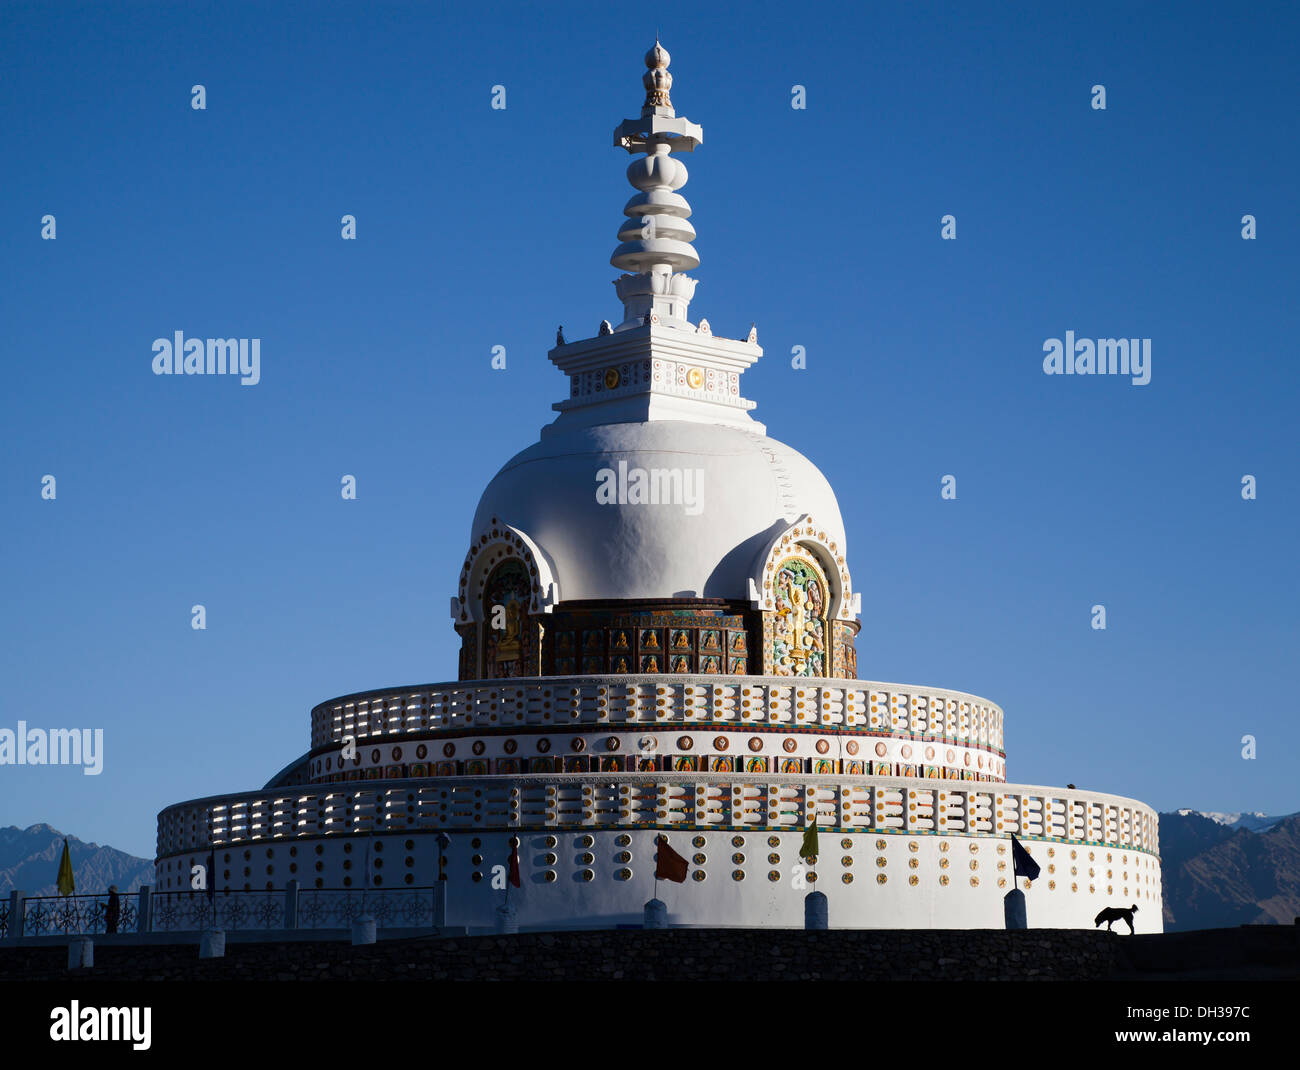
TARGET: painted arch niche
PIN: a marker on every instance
(507, 586)
(802, 589)
(801, 642)
(511, 635)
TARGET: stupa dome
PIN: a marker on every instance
(739, 490)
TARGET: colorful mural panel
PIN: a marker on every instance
(800, 629)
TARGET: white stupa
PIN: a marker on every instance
(658, 625)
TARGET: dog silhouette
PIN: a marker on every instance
(1113, 914)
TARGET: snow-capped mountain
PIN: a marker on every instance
(1250, 821)
(1223, 870)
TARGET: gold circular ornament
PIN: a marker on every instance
(695, 378)
(612, 378)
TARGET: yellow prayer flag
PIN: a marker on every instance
(67, 885)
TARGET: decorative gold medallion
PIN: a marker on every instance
(612, 378)
(695, 378)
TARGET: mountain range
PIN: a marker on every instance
(29, 859)
(1219, 870)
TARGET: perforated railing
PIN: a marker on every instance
(664, 800)
(731, 700)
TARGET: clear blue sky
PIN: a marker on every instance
(479, 228)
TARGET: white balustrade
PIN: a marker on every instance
(753, 700)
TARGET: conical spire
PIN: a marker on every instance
(656, 364)
(656, 237)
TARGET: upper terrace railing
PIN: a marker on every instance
(664, 800)
(616, 700)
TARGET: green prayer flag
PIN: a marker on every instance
(809, 848)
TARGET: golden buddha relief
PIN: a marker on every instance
(508, 644)
(800, 631)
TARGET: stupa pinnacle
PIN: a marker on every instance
(656, 238)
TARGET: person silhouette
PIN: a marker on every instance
(114, 911)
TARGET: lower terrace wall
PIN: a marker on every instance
(662, 955)
(1247, 953)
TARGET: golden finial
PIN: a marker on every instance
(657, 80)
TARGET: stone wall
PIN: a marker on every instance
(662, 955)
